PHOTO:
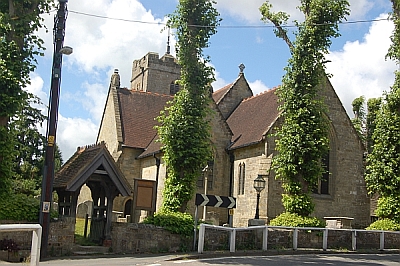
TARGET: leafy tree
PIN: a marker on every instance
(383, 163)
(373, 107)
(302, 140)
(19, 20)
(184, 130)
(29, 142)
(29, 148)
(359, 116)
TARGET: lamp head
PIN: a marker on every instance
(66, 50)
(259, 183)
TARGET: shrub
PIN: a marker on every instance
(295, 220)
(19, 207)
(384, 224)
(175, 222)
(8, 245)
(301, 204)
(388, 207)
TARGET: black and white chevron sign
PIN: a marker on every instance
(215, 201)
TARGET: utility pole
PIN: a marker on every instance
(48, 172)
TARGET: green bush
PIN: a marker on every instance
(301, 204)
(388, 207)
(175, 222)
(19, 207)
(295, 220)
(384, 224)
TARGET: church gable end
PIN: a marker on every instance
(233, 95)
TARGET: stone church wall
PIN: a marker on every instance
(110, 131)
(348, 195)
(256, 162)
(154, 74)
(235, 96)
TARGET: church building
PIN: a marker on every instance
(243, 147)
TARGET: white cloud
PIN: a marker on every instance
(105, 44)
(94, 101)
(258, 87)
(71, 132)
(360, 67)
(249, 10)
(36, 87)
(102, 44)
(74, 132)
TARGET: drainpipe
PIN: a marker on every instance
(158, 162)
(231, 178)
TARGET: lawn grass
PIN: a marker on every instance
(80, 226)
(79, 233)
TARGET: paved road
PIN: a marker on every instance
(279, 260)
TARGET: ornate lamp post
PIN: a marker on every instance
(259, 185)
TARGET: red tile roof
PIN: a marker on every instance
(138, 113)
(82, 164)
(218, 95)
(252, 118)
(78, 161)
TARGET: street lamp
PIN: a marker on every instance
(48, 172)
(259, 185)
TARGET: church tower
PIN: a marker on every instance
(154, 74)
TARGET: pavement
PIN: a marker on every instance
(91, 258)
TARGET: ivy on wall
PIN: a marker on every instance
(302, 140)
(185, 130)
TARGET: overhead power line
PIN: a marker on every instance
(221, 26)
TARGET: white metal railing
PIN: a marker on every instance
(36, 237)
(295, 230)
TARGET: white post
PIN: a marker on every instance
(35, 249)
(200, 246)
(233, 239)
(36, 238)
(382, 241)
(354, 240)
(325, 240)
(295, 235)
(205, 193)
(265, 238)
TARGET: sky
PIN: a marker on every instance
(109, 34)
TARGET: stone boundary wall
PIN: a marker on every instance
(283, 239)
(61, 236)
(145, 238)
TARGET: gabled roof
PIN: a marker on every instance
(84, 163)
(138, 113)
(253, 118)
(219, 94)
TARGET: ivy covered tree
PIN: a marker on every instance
(19, 20)
(185, 130)
(359, 116)
(373, 107)
(383, 163)
(302, 139)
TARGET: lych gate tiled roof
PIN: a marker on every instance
(78, 161)
(85, 161)
(138, 113)
(252, 118)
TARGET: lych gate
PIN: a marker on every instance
(93, 166)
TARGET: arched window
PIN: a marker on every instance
(173, 88)
(323, 183)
